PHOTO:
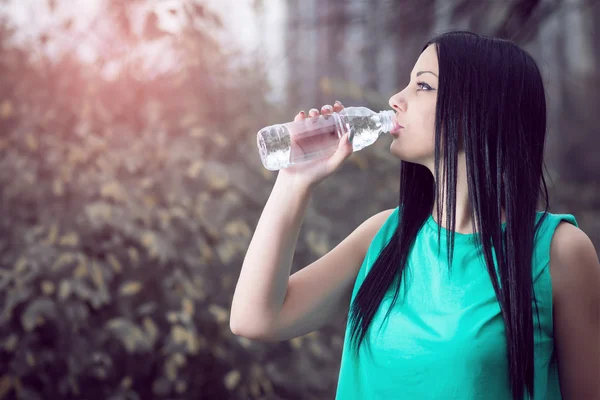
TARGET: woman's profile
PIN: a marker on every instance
(469, 288)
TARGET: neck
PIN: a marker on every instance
(462, 216)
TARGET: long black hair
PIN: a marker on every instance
(491, 100)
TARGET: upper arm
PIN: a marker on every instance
(575, 272)
(323, 289)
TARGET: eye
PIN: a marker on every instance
(424, 86)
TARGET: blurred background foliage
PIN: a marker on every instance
(130, 184)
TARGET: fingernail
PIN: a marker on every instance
(338, 102)
(302, 112)
(329, 108)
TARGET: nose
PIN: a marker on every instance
(397, 102)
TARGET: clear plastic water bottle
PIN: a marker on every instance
(283, 145)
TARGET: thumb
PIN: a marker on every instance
(343, 151)
(345, 144)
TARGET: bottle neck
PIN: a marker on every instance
(387, 120)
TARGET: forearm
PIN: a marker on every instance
(265, 272)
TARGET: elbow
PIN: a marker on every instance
(251, 331)
(237, 330)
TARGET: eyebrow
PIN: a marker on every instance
(424, 72)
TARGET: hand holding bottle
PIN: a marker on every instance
(313, 172)
(305, 140)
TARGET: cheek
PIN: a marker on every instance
(424, 128)
(428, 119)
(427, 127)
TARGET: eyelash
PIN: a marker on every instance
(423, 84)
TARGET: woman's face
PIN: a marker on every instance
(415, 111)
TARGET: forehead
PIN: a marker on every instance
(427, 61)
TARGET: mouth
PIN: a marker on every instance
(396, 129)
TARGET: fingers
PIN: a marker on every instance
(300, 116)
(337, 106)
(325, 110)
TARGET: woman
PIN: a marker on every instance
(508, 306)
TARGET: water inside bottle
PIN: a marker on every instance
(312, 138)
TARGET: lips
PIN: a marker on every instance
(397, 127)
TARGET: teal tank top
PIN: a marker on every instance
(446, 340)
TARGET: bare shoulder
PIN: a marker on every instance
(573, 260)
(367, 230)
(575, 274)
(382, 216)
(377, 220)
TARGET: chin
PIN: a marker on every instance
(416, 156)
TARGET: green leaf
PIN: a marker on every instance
(37, 312)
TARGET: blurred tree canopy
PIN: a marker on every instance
(108, 238)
